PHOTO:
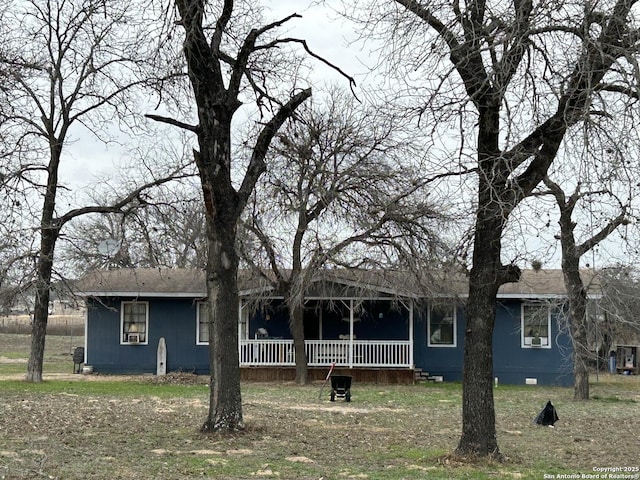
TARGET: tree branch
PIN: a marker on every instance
(603, 233)
(352, 82)
(268, 248)
(174, 122)
(248, 47)
(117, 206)
(257, 164)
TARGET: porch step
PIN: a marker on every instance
(420, 376)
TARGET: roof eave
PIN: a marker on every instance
(143, 294)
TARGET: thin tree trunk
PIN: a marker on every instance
(577, 326)
(44, 267)
(297, 331)
(580, 367)
(576, 293)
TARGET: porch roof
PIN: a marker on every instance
(190, 283)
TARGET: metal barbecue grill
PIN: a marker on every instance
(78, 359)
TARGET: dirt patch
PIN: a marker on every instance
(12, 360)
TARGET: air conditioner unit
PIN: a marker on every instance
(133, 338)
(536, 342)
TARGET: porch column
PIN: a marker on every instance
(411, 334)
(351, 333)
(240, 331)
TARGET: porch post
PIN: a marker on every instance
(411, 334)
(240, 330)
(351, 333)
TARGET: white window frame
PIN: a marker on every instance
(242, 332)
(198, 341)
(124, 334)
(454, 320)
(528, 341)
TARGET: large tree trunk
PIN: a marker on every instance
(225, 403)
(216, 97)
(487, 274)
(478, 416)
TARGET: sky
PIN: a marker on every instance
(326, 34)
(333, 38)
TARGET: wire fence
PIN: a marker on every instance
(56, 325)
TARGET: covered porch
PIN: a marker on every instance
(349, 333)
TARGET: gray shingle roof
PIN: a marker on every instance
(191, 283)
(143, 282)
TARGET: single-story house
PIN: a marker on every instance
(359, 321)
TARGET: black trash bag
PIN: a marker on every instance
(547, 416)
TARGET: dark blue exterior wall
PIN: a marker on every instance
(173, 319)
(444, 361)
(512, 363)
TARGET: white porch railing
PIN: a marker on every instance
(359, 353)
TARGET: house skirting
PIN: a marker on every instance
(360, 375)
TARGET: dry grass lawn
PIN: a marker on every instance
(96, 427)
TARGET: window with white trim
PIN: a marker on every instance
(134, 323)
(203, 320)
(441, 326)
(536, 326)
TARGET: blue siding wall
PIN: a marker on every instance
(512, 363)
(445, 361)
(173, 319)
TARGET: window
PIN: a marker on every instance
(442, 326)
(135, 322)
(203, 320)
(536, 326)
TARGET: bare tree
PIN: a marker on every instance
(572, 252)
(168, 230)
(225, 66)
(594, 187)
(619, 307)
(339, 189)
(79, 63)
(513, 77)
